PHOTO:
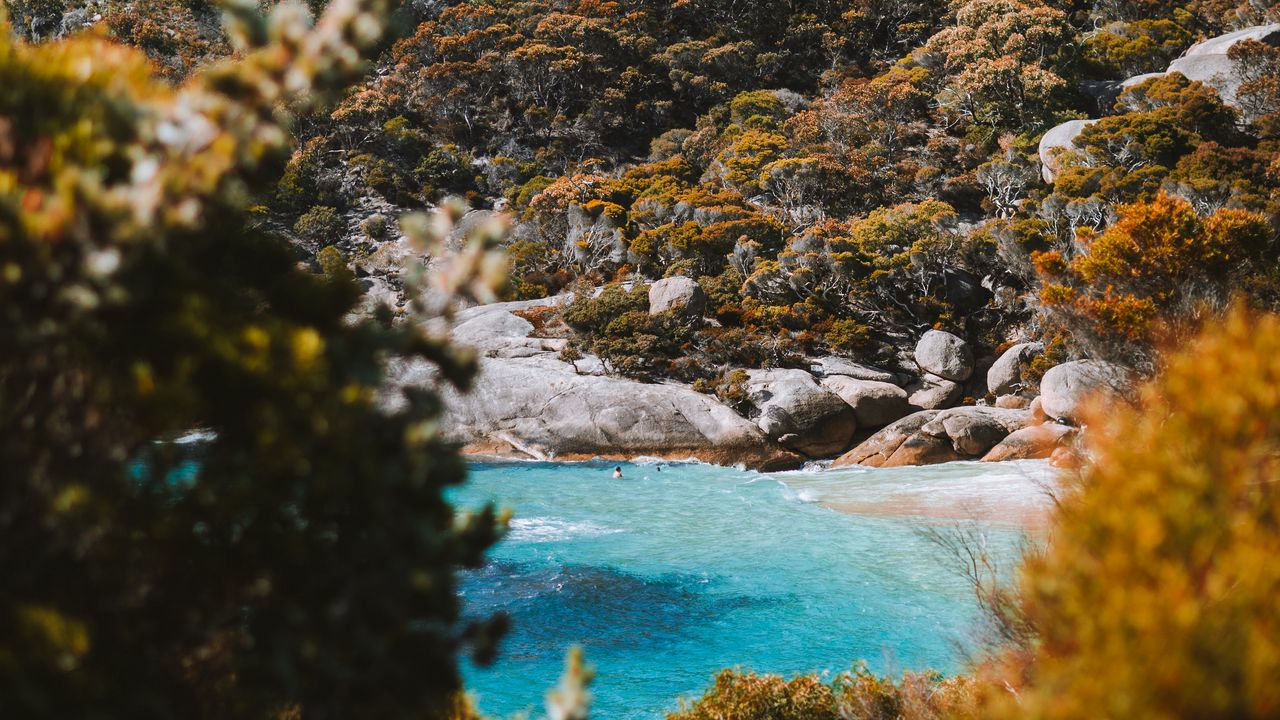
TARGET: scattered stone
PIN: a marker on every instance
(677, 293)
(875, 404)
(1005, 376)
(944, 355)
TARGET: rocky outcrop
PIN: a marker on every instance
(975, 430)
(1065, 458)
(875, 404)
(1065, 389)
(1206, 62)
(945, 355)
(1005, 376)
(677, 293)
(876, 450)
(800, 414)
(1013, 402)
(526, 402)
(1034, 442)
(467, 226)
(976, 387)
(937, 436)
(924, 449)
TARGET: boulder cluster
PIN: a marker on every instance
(532, 400)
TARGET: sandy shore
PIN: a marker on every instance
(1015, 493)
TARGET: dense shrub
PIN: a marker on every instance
(747, 696)
(299, 560)
(1157, 594)
(321, 224)
(1158, 264)
(856, 694)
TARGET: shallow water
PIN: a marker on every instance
(666, 577)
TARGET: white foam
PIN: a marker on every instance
(196, 436)
(544, 529)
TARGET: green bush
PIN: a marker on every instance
(375, 227)
(321, 224)
(747, 696)
(855, 694)
(591, 312)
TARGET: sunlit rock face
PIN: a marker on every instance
(528, 402)
(1055, 143)
(1207, 62)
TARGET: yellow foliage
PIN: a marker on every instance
(1159, 595)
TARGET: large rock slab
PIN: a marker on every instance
(830, 366)
(677, 293)
(1005, 376)
(1209, 61)
(1065, 389)
(875, 404)
(924, 449)
(1058, 141)
(1034, 442)
(876, 450)
(526, 402)
(1222, 44)
(796, 411)
(945, 355)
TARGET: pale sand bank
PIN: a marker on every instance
(1012, 493)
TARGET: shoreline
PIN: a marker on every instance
(958, 491)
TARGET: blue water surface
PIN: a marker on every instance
(666, 577)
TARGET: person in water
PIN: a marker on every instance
(617, 473)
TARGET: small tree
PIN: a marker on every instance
(300, 558)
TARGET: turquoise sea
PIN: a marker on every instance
(676, 571)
